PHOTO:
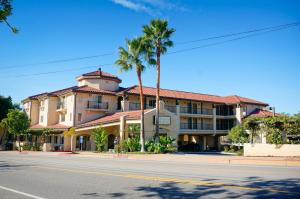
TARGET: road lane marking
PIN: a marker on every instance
(21, 193)
(164, 179)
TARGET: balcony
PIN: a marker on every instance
(190, 110)
(61, 106)
(97, 106)
(189, 126)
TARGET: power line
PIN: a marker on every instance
(178, 43)
(58, 61)
(54, 72)
(230, 40)
(238, 33)
(174, 52)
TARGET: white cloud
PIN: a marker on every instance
(152, 7)
(131, 5)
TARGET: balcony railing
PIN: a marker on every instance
(97, 105)
(191, 110)
(61, 105)
(203, 126)
(171, 108)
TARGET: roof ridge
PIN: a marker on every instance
(180, 91)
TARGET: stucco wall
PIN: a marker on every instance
(43, 112)
(171, 129)
(271, 150)
(100, 84)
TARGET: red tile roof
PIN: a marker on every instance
(88, 89)
(149, 91)
(55, 127)
(235, 99)
(79, 89)
(115, 117)
(100, 73)
(261, 113)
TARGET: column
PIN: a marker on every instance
(239, 114)
(73, 143)
(214, 120)
(122, 127)
(204, 142)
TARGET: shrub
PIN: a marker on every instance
(226, 148)
(27, 147)
(100, 137)
(165, 145)
(133, 144)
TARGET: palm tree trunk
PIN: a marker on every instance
(157, 92)
(142, 130)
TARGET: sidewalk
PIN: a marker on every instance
(180, 157)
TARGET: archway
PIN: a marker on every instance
(111, 140)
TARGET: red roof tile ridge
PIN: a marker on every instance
(176, 91)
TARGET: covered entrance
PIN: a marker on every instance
(83, 143)
(197, 143)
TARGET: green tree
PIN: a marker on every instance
(69, 133)
(6, 104)
(17, 123)
(100, 137)
(134, 56)
(6, 11)
(238, 134)
(252, 124)
(157, 35)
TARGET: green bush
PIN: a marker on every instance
(226, 148)
(100, 137)
(133, 144)
(27, 147)
(165, 145)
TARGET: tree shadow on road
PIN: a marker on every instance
(252, 187)
(5, 166)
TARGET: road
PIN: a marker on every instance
(69, 176)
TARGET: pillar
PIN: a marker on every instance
(73, 143)
(122, 127)
(204, 142)
(214, 120)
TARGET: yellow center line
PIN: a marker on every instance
(165, 179)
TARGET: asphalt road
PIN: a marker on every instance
(48, 176)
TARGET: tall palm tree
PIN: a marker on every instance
(133, 57)
(157, 35)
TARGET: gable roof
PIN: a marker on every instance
(167, 93)
(115, 117)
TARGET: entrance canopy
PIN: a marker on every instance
(112, 120)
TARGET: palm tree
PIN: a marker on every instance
(133, 57)
(157, 36)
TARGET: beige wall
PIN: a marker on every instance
(52, 113)
(88, 115)
(271, 150)
(171, 130)
(43, 112)
(100, 84)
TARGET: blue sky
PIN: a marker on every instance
(264, 67)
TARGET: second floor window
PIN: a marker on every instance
(62, 117)
(152, 103)
(79, 117)
(70, 116)
(42, 118)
